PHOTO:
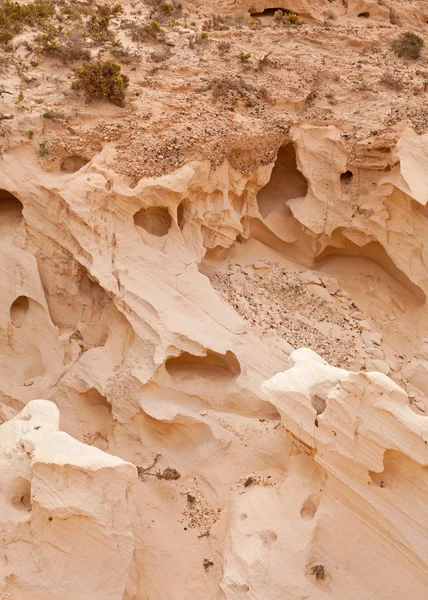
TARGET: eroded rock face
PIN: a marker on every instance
(66, 512)
(156, 318)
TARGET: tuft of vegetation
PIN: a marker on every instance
(20, 97)
(243, 57)
(167, 474)
(44, 148)
(232, 88)
(392, 80)
(153, 28)
(30, 134)
(102, 80)
(223, 47)
(286, 18)
(408, 45)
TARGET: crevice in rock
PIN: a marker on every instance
(19, 310)
(183, 213)
(375, 252)
(212, 366)
(286, 182)
(10, 211)
(72, 164)
(21, 494)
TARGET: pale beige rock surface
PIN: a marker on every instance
(220, 286)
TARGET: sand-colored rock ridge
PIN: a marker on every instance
(218, 287)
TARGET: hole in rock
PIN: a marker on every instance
(18, 310)
(10, 211)
(319, 404)
(268, 537)
(212, 366)
(403, 474)
(309, 508)
(183, 213)
(364, 15)
(72, 164)
(156, 220)
(286, 182)
(346, 176)
(21, 494)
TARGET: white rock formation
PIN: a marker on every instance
(66, 513)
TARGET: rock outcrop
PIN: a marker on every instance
(67, 512)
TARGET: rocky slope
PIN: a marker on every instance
(221, 287)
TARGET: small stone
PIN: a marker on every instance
(331, 284)
(420, 405)
(259, 264)
(376, 353)
(374, 364)
(357, 315)
(344, 294)
(372, 337)
(309, 277)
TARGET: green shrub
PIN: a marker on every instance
(153, 28)
(243, 57)
(292, 19)
(288, 18)
(102, 79)
(408, 45)
(14, 16)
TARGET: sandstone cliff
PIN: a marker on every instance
(219, 290)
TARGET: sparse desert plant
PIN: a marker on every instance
(30, 134)
(161, 55)
(20, 97)
(291, 19)
(167, 474)
(234, 87)
(243, 57)
(44, 147)
(408, 45)
(126, 55)
(392, 80)
(102, 79)
(217, 23)
(286, 18)
(153, 28)
(223, 47)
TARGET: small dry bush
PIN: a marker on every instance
(217, 23)
(148, 32)
(126, 55)
(392, 80)
(230, 87)
(223, 47)
(408, 45)
(102, 79)
(66, 46)
(161, 55)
